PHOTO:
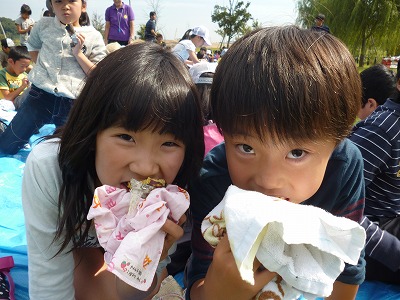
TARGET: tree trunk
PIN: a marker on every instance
(363, 50)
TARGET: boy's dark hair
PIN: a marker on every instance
(287, 84)
(25, 9)
(19, 52)
(152, 13)
(378, 82)
(165, 102)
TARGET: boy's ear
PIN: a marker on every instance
(84, 6)
(372, 104)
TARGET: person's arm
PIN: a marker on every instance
(131, 31)
(81, 58)
(193, 57)
(12, 95)
(40, 190)
(343, 291)
(22, 31)
(34, 55)
(223, 280)
(106, 32)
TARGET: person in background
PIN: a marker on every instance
(150, 33)
(120, 128)
(377, 137)
(319, 24)
(13, 78)
(120, 24)
(63, 60)
(6, 45)
(24, 24)
(378, 84)
(160, 40)
(192, 39)
(284, 111)
(201, 53)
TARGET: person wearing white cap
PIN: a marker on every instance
(6, 45)
(185, 50)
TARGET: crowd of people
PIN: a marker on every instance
(297, 123)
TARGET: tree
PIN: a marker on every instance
(10, 29)
(231, 19)
(361, 24)
(98, 22)
(140, 33)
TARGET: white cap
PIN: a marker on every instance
(208, 51)
(200, 68)
(10, 43)
(203, 32)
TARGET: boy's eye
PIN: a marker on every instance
(245, 148)
(296, 153)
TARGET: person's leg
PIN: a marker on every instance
(61, 110)
(31, 116)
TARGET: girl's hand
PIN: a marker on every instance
(76, 50)
(223, 280)
(174, 232)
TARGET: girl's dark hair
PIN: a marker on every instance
(287, 84)
(25, 9)
(138, 87)
(187, 35)
(378, 82)
(204, 91)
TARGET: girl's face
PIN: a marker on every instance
(68, 11)
(292, 172)
(198, 41)
(122, 155)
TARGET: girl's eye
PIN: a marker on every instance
(245, 148)
(296, 154)
(126, 137)
(170, 144)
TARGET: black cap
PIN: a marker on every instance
(320, 17)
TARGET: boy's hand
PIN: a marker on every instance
(223, 280)
(25, 83)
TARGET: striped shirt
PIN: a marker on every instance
(378, 138)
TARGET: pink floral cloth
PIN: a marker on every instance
(132, 238)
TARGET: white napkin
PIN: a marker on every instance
(305, 245)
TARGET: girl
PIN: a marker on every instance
(24, 24)
(62, 62)
(194, 38)
(120, 127)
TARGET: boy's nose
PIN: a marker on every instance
(270, 179)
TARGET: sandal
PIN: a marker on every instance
(6, 281)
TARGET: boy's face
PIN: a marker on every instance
(18, 66)
(292, 172)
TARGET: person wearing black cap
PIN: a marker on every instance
(319, 24)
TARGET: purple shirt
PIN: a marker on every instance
(119, 22)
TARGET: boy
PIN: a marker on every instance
(378, 139)
(285, 99)
(6, 45)
(13, 78)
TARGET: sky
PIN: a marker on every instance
(174, 16)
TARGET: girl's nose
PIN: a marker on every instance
(145, 167)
